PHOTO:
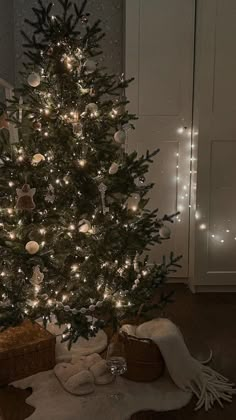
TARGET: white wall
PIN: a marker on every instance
(7, 56)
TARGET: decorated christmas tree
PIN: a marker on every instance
(75, 225)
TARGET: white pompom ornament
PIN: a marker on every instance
(120, 136)
(32, 247)
(37, 158)
(84, 226)
(34, 80)
(165, 232)
(114, 168)
(90, 66)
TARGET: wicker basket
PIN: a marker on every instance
(27, 358)
(144, 359)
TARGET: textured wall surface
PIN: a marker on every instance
(109, 11)
(7, 41)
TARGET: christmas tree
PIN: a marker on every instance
(75, 225)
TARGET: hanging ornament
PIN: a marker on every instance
(20, 109)
(120, 136)
(37, 277)
(133, 202)
(92, 108)
(84, 19)
(90, 66)
(34, 80)
(25, 199)
(92, 92)
(32, 247)
(84, 226)
(50, 196)
(113, 168)
(78, 129)
(165, 232)
(37, 158)
(37, 125)
(83, 91)
(103, 188)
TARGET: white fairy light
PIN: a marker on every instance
(180, 130)
(42, 231)
(118, 304)
(10, 211)
(82, 162)
(11, 184)
(74, 267)
(72, 227)
(12, 235)
(202, 226)
(64, 297)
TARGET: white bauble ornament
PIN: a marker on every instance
(34, 80)
(165, 232)
(83, 310)
(120, 136)
(84, 226)
(37, 158)
(32, 247)
(114, 168)
(133, 202)
(137, 281)
(90, 66)
(66, 308)
(92, 107)
(75, 311)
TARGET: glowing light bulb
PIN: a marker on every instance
(72, 227)
(82, 162)
(180, 130)
(202, 226)
(11, 184)
(12, 235)
(10, 211)
(74, 267)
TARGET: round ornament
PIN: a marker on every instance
(92, 308)
(83, 310)
(114, 168)
(165, 232)
(120, 136)
(74, 311)
(90, 66)
(37, 125)
(91, 108)
(37, 158)
(84, 226)
(34, 80)
(32, 247)
(66, 308)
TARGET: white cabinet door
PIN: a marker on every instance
(215, 253)
(160, 55)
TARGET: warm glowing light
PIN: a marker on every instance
(202, 226)
(72, 227)
(82, 162)
(11, 184)
(180, 130)
(119, 304)
(74, 267)
(42, 231)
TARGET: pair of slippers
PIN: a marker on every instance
(80, 378)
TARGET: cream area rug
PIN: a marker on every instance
(52, 402)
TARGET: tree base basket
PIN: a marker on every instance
(25, 350)
(144, 359)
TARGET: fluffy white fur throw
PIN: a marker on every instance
(186, 372)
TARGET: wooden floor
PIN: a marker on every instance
(207, 321)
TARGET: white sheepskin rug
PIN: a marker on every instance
(52, 402)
